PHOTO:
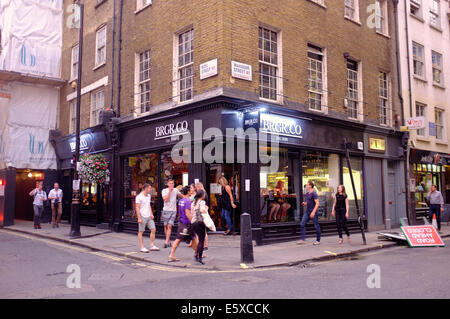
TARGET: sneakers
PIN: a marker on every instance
(340, 241)
(154, 248)
(144, 250)
(301, 242)
(167, 245)
(35, 226)
(39, 227)
(316, 243)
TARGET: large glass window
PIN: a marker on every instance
(89, 196)
(357, 170)
(176, 171)
(324, 171)
(138, 170)
(425, 176)
(281, 189)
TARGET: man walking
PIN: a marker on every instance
(145, 218)
(312, 205)
(436, 205)
(38, 204)
(56, 196)
(185, 231)
(169, 195)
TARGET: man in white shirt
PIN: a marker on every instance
(145, 218)
(169, 195)
(38, 204)
(56, 196)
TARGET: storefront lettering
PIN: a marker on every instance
(279, 126)
(171, 129)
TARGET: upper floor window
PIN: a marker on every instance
(97, 104)
(268, 64)
(73, 116)
(381, 15)
(74, 63)
(435, 13)
(418, 60)
(100, 47)
(421, 110)
(141, 4)
(186, 65)
(316, 77)
(383, 98)
(415, 8)
(352, 10)
(437, 67)
(353, 90)
(439, 120)
(143, 93)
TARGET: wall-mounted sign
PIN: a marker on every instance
(208, 69)
(85, 143)
(360, 146)
(280, 125)
(432, 129)
(171, 130)
(377, 144)
(416, 123)
(241, 71)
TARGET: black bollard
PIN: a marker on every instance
(246, 239)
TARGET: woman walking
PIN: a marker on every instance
(341, 209)
(197, 209)
(227, 204)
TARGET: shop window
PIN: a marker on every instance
(281, 189)
(173, 170)
(357, 170)
(425, 175)
(89, 196)
(324, 171)
(138, 170)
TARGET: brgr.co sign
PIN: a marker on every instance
(171, 130)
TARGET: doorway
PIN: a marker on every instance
(232, 173)
(25, 183)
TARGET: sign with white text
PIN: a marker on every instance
(416, 123)
(208, 69)
(422, 236)
(241, 71)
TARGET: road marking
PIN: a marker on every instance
(330, 252)
(131, 253)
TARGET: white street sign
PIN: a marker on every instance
(416, 123)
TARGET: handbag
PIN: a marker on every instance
(208, 222)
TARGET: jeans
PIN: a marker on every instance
(435, 209)
(305, 220)
(226, 214)
(38, 210)
(341, 222)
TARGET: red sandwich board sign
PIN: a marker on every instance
(422, 236)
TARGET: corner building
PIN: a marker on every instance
(308, 74)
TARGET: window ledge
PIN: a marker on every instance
(352, 20)
(441, 142)
(437, 28)
(271, 101)
(99, 66)
(439, 86)
(323, 6)
(417, 18)
(142, 9)
(383, 34)
(423, 138)
(420, 78)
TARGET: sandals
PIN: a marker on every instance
(173, 260)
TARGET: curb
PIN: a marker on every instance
(214, 268)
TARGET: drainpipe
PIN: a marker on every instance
(119, 62)
(113, 55)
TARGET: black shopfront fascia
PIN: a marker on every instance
(92, 141)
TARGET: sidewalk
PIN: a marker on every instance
(223, 253)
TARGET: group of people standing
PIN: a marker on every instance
(192, 203)
(40, 198)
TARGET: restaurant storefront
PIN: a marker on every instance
(308, 148)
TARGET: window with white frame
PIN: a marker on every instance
(383, 98)
(141, 4)
(381, 16)
(439, 123)
(415, 8)
(74, 63)
(97, 104)
(418, 60)
(186, 65)
(434, 13)
(143, 81)
(353, 104)
(436, 60)
(421, 110)
(268, 64)
(316, 77)
(351, 10)
(73, 116)
(100, 48)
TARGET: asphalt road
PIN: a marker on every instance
(37, 268)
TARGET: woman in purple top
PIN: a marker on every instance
(185, 231)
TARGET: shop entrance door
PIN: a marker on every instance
(232, 173)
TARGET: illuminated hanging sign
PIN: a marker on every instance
(377, 144)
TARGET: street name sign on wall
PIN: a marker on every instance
(422, 236)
